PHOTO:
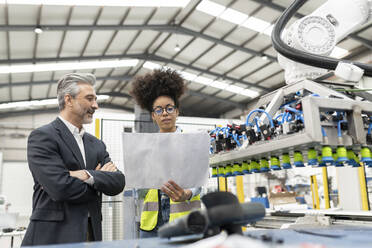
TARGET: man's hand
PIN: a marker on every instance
(107, 167)
(80, 174)
(175, 192)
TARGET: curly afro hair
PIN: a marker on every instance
(145, 89)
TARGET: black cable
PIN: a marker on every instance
(303, 57)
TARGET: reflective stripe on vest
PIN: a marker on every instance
(179, 209)
(149, 216)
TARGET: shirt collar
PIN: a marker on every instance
(73, 129)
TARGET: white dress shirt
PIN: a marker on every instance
(78, 135)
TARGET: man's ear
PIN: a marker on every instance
(68, 99)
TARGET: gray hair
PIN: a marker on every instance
(68, 84)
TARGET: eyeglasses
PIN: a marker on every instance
(169, 109)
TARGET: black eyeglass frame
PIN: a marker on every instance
(174, 107)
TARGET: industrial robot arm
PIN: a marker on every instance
(316, 35)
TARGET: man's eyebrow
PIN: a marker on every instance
(91, 95)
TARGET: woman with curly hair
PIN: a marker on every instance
(159, 92)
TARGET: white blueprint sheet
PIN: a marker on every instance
(151, 159)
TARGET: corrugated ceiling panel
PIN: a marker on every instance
(160, 40)
(367, 34)
(53, 91)
(243, 7)
(143, 41)
(230, 62)
(28, 13)
(121, 42)
(273, 81)
(197, 21)
(18, 47)
(138, 15)
(43, 76)
(224, 94)
(259, 43)
(219, 28)
(264, 72)
(98, 42)
(21, 77)
(84, 15)
(4, 95)
(238, 98)
(4, 78)
(74, 43)
(2, 13)
(210, 90)
(108, 86)
(191, 52)
(48, 44)
(119, 101)
(20, 93)
(194, 86)
(112, 15)
(54, 15)
(167, 49)
(3, 47)
(349, 44)
(240, 35)
(214, 54)
(39, 91)
(163, 15)
(250, 66)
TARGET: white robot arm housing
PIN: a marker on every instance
(319, 32)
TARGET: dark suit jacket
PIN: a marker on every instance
(60, 202)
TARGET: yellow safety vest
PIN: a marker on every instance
(149, 216)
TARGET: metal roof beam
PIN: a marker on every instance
(125, 95)
(154, 27)
(132, 56)
(55, 110)
(221, 100)
(34, 83)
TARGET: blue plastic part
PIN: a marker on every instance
(338, 164)
(264, 169)
(327, 159)
(275, 167)
(322, 164)
(237, 173)
(263, 200)
(312, 162)
(366, 160)
(286, 166)
(343, 159)
(299, 164)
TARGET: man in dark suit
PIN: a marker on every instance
(71, 170)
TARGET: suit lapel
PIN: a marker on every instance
(70, 141)
(89, 152)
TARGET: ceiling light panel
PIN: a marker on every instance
(233, 16)
(206, 81)
(36, 103)
(211, 8)
(66, 66)
(115, 3)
